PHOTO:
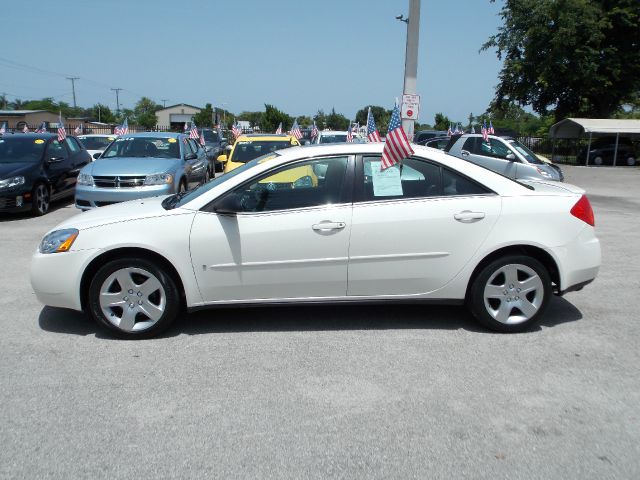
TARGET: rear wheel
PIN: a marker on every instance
(631, 161)
(134, 298)
(40, 199)
(510, 294)
(598, 160)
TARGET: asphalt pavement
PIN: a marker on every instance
(330, 391)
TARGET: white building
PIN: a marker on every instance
(176, 115)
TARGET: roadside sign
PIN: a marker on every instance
(410, 107)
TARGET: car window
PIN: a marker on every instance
(248, 150)
(73, 145)
(455, 184)
(494, 148)
(96, 143)
(304, 184)
(413, 178)
(194, 145)
(56, 150)
(470, 145)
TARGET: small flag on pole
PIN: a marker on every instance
(314, 130)
(349, 134)
(122, 129)
(449, 131)
(42, 128)
(202, 142)
(62, 132)
(186, 127)
(279, 129)
(78, 130)
(193, 131)
(396, 145)
(25, 128)
(237, 131)
(485, 131)
(295, 130)
(3, 128)
(491, 129)
(372, 130)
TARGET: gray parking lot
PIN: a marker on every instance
(328, 391)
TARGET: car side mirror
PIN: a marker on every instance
(222, 158)
(190, 156)
(228, 205)
(97, 155)
(511, 157)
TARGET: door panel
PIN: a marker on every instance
(272, 255)
(416, 246)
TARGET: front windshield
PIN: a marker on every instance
(248, 150)
(525, 152)
(96, 143)
(17, 149)
(195, 193)
(143, 147)
(210, 136)
(338, 138)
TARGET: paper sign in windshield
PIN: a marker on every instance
(386, 183)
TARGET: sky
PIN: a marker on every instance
(300, 56)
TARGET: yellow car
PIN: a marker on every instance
(250, 146)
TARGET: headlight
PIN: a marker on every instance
(58, 241)
(303, 182)
(11, 182)
(85, 179)
(158, 179)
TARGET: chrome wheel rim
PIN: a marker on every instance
(513, 294)
(132, 299)
(42, 199)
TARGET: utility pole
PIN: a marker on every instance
(164, 102)
(4, 98)
(411, 57)
(73, 88)
(117, 90)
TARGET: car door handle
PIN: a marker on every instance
(325, 226)
(467, 216)
(464, 153)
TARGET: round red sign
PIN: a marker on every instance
(409, 113)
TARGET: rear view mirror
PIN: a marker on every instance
(222, 158)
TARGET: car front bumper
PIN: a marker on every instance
(94, 197)
(15, 201)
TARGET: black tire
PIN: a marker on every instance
(164, 303)
(496, 280)
(40, 199)
(630, 161)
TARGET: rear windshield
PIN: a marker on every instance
(339, 138)
(96, 143)
(16, 149)
(143, 147)
(247, 150)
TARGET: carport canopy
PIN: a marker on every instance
(576, 127)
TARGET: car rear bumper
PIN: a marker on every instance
(579, 261)
(92, 197)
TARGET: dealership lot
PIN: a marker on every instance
(394, 391)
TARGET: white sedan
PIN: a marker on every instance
(325, 224)
(96, 143)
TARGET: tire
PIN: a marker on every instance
(630, 161)
(133, 298)
(495, 297)
(598, 161)
(40, 199)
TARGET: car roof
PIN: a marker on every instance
(333, 132)
(96, 135)
(29, 135)
(265, 136)
(155, 135)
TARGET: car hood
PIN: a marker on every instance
(131, 166)
(121, 212)
(8, 170)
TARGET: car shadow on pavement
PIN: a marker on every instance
(309, 318)
(57, 205)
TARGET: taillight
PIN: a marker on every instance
(582, 210)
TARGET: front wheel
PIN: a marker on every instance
(631, 161)
(134, 298)
(510, 294)
(40, 199)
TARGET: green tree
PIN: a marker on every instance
(441, 122)
(272, 118)
(337, 121)
(145, 112)
(575, 57)
(102, 113)
(380, 115)
(304, 121)
(254, 118)
(321, 119)
(204, 118)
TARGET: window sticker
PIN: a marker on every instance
(171, 140)
(386, 183)
(111, 139)
(38, 141)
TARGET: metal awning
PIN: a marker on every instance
(576, 127)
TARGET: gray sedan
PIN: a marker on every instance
(142, 165)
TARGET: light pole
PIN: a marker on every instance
(224, 113)
(117, 90)
(411, 57)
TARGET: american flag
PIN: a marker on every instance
(237, 131)
(295, 130)
(62, 132)
(349, 134)
(3, 128)
(202, 142)
(193, 132)
(122, 129)
(372, 130)
(186, 126)
(43, 128)
(25, 129)
(449, 131)
(491, 130)
(485, 131)
(314, 130)
(78, 129)
(396, 145)
(279, 129)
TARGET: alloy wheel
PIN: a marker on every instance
(41, 198)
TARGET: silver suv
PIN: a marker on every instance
(506, 156)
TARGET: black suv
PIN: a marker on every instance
(36, 169)
(602, 151)
(214, 145)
